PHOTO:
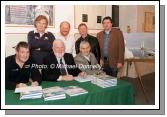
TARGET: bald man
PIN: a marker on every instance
(60, 65)
(67, 38)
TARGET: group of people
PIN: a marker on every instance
(60, 58)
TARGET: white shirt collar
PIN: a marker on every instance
(62, 37)
(107, 32)
(58, 59)
(63, 61)
(87, 57)
(35, 31)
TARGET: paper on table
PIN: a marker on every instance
(27, 89)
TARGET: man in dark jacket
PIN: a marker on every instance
(60, 65)
(95, 49)
(19, 68)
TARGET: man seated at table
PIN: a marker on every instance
(60, 65)
(19, 68)
(86, 60)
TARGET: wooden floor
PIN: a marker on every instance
(149, 84)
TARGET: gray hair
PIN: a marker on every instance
(83, 43)
(58, 41)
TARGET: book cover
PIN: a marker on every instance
(83, 79)
(74, 90)
(53, 93)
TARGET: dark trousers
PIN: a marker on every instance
(110, 70)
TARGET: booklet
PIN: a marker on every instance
(104, 81)
(30, 92)
(74, 90)
(53, 93)
(83, 79)
(31, 95)
(27, 89)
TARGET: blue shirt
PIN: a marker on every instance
(106, 43)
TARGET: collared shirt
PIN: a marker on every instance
(106, 42)
(69, 43)
(63, 61)
(87, 57)
(40, 34)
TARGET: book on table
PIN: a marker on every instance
(29, 92)
(74, 90)
(31, 95)
(53, 93)
(27, 89)
(104, 81)
(83, 79)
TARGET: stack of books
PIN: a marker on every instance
(29, 92)
(83, 79)
(31, 95)
(74, 90)
(53, 93)
(104, 81)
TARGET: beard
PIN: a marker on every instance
(64, 33)
(59, 55)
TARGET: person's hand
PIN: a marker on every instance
(100, 73)
(34, 83)
(20, 85)
(119, 65)
(101, 62)
(83, 74)
(67, 78)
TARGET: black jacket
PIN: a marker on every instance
(52, 72)
(14, 74)
(95, 48)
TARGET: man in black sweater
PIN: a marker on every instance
(19, 68)
(60, 65)
(95, 48)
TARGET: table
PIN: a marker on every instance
(135, 60)
(122, 94)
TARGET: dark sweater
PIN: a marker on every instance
(43, 43)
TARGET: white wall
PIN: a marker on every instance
(133, 15)
(128, 16)
(64, 13)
